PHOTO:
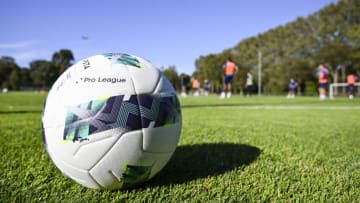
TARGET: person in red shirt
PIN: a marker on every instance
(323, 76)
(195, 86)
(229, 69)
(351, 80)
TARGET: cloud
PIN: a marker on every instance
(25, 51)
(18, 45)
(26, 55)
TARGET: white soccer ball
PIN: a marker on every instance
(111, 121)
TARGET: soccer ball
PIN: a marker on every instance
(111, 121)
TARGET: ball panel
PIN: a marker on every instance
(145, 78)
(161, 122)
(82, 155)
(158, 110)
(164, 135)
(79, 175)
(53, 113)
(96, 116)
(80, 84)
(161, 140)
(127, 150)
(97, 79)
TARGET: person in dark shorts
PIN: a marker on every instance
(230, 69)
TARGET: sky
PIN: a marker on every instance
(165, 32)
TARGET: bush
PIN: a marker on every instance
(310, 88)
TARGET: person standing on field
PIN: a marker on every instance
(229, 69)
(183, 86)
(206, 87)
(350, 80)
(195, 86)
(292, 86)
(249, 84)
(323, 78)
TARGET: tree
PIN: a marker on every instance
(354, 38)
(25, 79)
(43, 73)
(336, 55)
(8, 68)
(14, 80)
(172, 76)
(62, 60)
(210, 68)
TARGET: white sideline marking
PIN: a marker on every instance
(276, 107)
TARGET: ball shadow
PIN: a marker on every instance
(20, 112)
(192, 162)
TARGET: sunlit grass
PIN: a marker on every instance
(237, 150)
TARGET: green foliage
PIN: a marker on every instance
(210, 68)
(8, 73)
(243, 149)
(172, 75)
(14, 79)
(311, 88)
(62, 60)
(25, 79)
(41, 73)
(330, 35)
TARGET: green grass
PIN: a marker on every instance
(258, 149)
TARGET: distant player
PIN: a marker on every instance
(183, 87)
(292, 86)
(350, 80)
(323, 75)
(249, 84)
(195, 86)
(206, 87)
(230, 69)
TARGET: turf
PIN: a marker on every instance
(243, 149)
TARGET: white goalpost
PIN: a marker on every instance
(340, 89)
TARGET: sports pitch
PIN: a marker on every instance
(243, 149)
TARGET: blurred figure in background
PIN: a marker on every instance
(230, 69)
(206, 87)
(323, 78)
(249, 84)
(195, 86)
(292, 86)
(351, 80)
(183, 87)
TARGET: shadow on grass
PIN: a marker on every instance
(192, 162)
(21, 112)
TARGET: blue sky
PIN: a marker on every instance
(165, 32)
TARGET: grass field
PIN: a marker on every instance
(257, 149)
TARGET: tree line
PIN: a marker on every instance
(294, 50)
(40, 75)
